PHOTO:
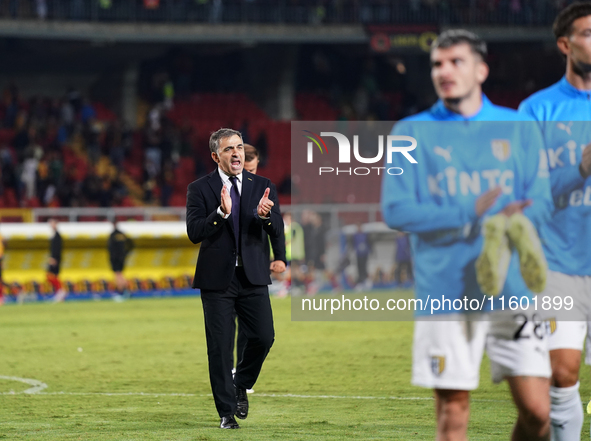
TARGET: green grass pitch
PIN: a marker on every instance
(138, 371)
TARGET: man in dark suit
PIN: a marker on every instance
(228, 212)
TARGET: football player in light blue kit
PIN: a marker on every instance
(567, 236)
(473, 159)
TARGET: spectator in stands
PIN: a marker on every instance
(11, 103)
(91, 187)
(74, 97)
(105, 195)
(167, 186)
(87, 112)
(215, 11)
(91, 133)
(68, 113)
(29, 175)
(54, 261)
(41, 9)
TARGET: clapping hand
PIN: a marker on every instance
(585, 166)
(486, 200)
(226, 205)
(516, 207)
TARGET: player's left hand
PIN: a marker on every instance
(278, 266)
(516, 207)
(265, 204)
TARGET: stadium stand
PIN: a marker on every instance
(314, 12)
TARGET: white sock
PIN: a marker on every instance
(566, 413)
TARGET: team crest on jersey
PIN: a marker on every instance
(501, 149)
(437, 364)
(551, 326)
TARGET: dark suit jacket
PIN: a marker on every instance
(217, 257)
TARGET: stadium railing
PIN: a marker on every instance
(109, 214)
(335, 214)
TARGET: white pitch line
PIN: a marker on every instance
(38, 386)
(155, 395)
(117, 394)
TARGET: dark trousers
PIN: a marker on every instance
(255, 318)
(240, 340)
(361, 267)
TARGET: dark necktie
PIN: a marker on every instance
(235, 195)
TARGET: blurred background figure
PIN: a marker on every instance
(362, 247)
(295, 253)
(402, 260)
(54, 261)
(119, 246)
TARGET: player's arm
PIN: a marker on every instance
(200, 224)
(537, 180)
(278, 246)
(563, 180)
(402, 209)
(566, 179)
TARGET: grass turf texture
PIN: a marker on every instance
(157, 346)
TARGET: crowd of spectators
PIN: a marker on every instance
(538, 12)
(72, 152)
(50, 152)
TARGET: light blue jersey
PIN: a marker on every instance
(564, 113)
(458, 160)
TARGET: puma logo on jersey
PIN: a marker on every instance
(445, 153)
(565, 127)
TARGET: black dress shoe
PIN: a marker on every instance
(241, 403)
(229, 422)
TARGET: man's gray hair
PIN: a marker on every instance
(453, 37)
(218, 135)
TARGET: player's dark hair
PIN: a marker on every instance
(453, 37)
(563, 24)
(250, 153)
(218, 135)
